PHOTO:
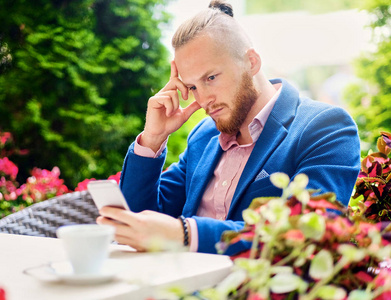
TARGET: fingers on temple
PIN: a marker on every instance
(174, 70)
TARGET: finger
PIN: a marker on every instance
(177, 84)
(191, 109)
(118, 214)
(134, 244)
(174, 70)
(168, 100)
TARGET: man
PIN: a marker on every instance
(256, 127)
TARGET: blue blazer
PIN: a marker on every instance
(300, 136)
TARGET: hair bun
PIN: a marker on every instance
(222, 6)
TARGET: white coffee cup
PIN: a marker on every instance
(86, 245)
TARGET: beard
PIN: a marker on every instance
(244, 100)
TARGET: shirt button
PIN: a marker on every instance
(224, 183)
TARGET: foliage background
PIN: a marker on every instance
(370, 100)
(75, 77)
(270, 6)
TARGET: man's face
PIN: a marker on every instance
(219, 83)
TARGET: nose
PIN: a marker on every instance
(204, 96)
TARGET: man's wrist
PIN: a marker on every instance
(186, 230)
(152, 142)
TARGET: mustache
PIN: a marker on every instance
(214, 107)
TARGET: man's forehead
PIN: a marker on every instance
(193, 63)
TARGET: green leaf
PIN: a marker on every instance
(280, 180)
(301, 180)
(253, 266)
(276, 212)
(321, 265)
(284, 283)
(231, 282)
(383, 253)
(251, 217)
(331, 292)
(351, 252)
(312, 225)
(360, 295)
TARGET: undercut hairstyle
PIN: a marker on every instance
(218, 22)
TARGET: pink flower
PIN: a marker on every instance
(8, 167)
(295, 235)
(2, 294)
(82, 186)
(364, 276)
(255, 296)
(4, 137)
(116, 177)
(43, 184)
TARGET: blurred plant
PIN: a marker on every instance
(301, 250)
(75, 77)
(314, 6)
(372, 196)
(369, 100)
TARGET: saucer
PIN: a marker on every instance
(63, 271)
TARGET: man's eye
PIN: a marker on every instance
(193, 88)
(213, 77)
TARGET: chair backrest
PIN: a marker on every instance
(43, 218)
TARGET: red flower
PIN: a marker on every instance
(2, 294)
(322, 204)
(115, 177)
(244, 254)
(8, 167)
(295, 235)
(4, 137)
(364, 276)
(384, 296)
(255, 296)
(381, 279)
(82, 186)
(43, 184)
(296, 209)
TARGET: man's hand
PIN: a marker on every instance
(139, 230)
(164, 114)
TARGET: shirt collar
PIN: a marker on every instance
(256, 125)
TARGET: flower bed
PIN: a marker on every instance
(41, 185)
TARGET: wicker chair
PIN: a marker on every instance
(43, 218)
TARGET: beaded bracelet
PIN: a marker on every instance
(185, 230)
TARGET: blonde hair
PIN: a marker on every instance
(217, 21)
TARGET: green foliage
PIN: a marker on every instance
(75, 80)
(319, 6)
(370, 105)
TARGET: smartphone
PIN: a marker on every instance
(107, 193)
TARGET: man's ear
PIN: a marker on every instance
(255, 61)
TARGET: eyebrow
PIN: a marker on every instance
(206, 74)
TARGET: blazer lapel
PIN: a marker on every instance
(272, 135)
(268, 141)
(202, 175)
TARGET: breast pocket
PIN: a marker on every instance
(263, 188)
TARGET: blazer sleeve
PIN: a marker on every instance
(147, 187)
(328, 152)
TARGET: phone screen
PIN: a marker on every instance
(107, 193)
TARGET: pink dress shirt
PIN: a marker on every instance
(219, 192)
